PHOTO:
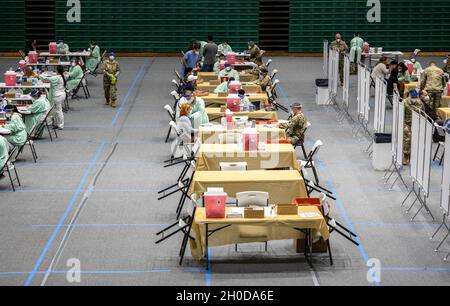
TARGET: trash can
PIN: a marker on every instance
(382, 155)
(322, 93)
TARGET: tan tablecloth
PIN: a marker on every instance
(208, 76)
(215, 99)
(215, 114)
(443, 113)
(253, 230)
(275, 156)
(282, 186)
(206, 86)
(211, 135)
(445, 101)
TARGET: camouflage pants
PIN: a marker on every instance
(295, 140)
(110, 92)
(435, 100)
(407, 134)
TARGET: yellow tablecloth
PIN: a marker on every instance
(211, 134)
(445, 102)
(215, 114)
(206, 86)
(275, 156)
(208, 76)
(282, 186)
(213, 98)
(443, 113)
(253, 230)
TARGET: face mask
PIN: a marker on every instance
(241, 96)
(228, 69)
(413, 60)
(111, 58)
(426, 99)
(8, 116)
(74, 64)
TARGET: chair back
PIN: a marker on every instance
(240, 166)
(252, 198)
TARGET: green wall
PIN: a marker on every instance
(405, 24)
(12, 25)
(158, 25)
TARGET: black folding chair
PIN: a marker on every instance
(42, 125)
(9, 167)
(301, 143)
(171, 114)
(309, 162)
(180, 79)
(273, 97)
(176, 98)
(184, 226)
(183, 185)
(441, 144)
(66, 106)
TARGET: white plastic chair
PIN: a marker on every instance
(268, 63)
(252, 198)
(309, 162)
(274, 73)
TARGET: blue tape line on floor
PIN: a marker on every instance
(65, 215)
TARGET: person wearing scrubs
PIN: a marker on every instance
(225, 48)
(63, 48)
(244, 103)
(224, 86)
(15, 124)
(229, 73)
(75, 75)
(4, 151)
(356, 48)
(94, 59)
(37, 111)
(219, 61)
(184, 124)
(57, 96)
(198, 113)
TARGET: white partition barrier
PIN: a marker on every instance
(363, 92)
(421, 158)
(379, 121)
(397, 131)
(333, 74)
(346, 87)
(325, 57)
(445, 201)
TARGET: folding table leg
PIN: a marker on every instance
(206, 247)
(329, 252)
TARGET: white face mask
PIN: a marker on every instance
(111, 58)
(426, 99)
(228, 69)
(8, 116)
(413, 60)
(74, 64)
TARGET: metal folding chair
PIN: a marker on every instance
(309, 162)
(10, 167)
(441, 144)
(302, 143)
(172, 118)
(184, 226)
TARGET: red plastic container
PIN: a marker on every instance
(22, 64)
(410, 67)
(10, 78)
(231, 58)
(234, 87)
(52, 48)
(215, 205)
(308, 202)
(250, 141)
(32, 57)
(448, 88)
(222, 65)
(233, 104)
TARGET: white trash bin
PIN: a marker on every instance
(322, 96)
(382, 155)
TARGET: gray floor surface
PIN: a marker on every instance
(103, 172)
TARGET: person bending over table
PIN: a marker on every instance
(57, 96)
(295, 128)
(380, 70)
(184, 124)
(15, 124)
(229, 72)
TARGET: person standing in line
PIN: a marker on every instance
(340, 46)
(411, 103)
(111, 71)
(433, 82)
(209, 53)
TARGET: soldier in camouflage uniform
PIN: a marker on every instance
(264, 79)
(433, 82)
(340, 46)
(413, 102)
(254, 51)
(446, 68)
(295, 128)
(255, 71)
(111, 70)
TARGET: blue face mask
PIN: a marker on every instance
(241, 96)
